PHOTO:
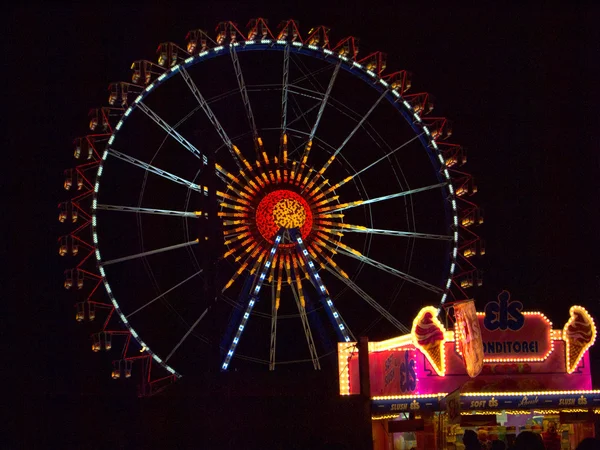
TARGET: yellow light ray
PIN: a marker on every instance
(234, 230)
(319, 187)
(332, 216)
(229, 223)
(329, 231)
(238, 272)
(338, 243)
(226, 214)
(231, 251)
(349, 249)
(342, 205)
(236, 207)
(251, 185)
(249, 249)
(327, 200)
(240, 193)
(258, 180)
(273, 265)
(306, 152)
(287, 269)
(236, 238)
(293, 171)
(335, 186)
(306, 177)
(260, 173)
(233, 198)
(320, 172)
(234, 178)
(241, 157)
(239, 247)
(324, 245)
(330, 261)
(327, 222)
(258, 262)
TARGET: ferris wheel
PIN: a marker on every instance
(256, 198)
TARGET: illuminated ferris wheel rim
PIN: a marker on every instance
(351, 66)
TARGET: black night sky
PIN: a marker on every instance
(520, 84)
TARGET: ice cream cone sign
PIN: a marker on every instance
(579, 334)
(428, 335)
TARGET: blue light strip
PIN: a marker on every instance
(321, 287)
(253, 299)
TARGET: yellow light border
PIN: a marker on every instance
(441, 371)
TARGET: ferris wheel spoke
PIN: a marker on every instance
(195, 324)
(148, 253)
(344, 206)
(360, 123)
(386, 156)
(164, 212)
(307, 76)
(344, 228)
(164, 293)
(284, 88)
(307, 331)
(414, 280)
(324, 101)
(320, 286)
(252, 299)
(155, 170)
(172, 132)
(208, 111)
(370, 300)
(243, 91)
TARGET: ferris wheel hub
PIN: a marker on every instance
(283, 208)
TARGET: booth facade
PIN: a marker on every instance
(532, 377)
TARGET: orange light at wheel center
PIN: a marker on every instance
(283, 208)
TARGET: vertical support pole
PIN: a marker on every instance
(363, 367)
(365, 383)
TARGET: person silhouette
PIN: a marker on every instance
(471, 440)
(528, 440)
(589, 444)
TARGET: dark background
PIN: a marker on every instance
(520, 84)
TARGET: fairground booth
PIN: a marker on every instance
(497, 372)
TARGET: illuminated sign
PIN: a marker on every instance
(404, 405)
(510, 334)
(579, 334)
(428, 335)
(530, 400)
(523, 357)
